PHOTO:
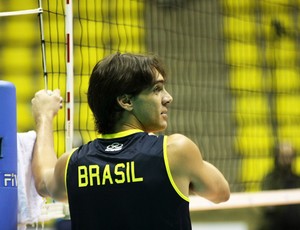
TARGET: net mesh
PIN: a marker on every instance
(232, 66)
(233, 69)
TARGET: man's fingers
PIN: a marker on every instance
(56, 91)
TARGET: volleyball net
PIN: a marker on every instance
(233, 69)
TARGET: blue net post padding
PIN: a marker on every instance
(8, 157)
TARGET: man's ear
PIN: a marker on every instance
(125, 102)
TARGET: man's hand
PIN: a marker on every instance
(46, 104)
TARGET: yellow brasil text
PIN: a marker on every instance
(121, 173)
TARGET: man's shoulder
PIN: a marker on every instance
(181, 145)
(179, 140)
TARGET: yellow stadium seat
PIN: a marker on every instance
(23, 30)
(283, 53)
(287, 108)
(287, 79)
(246, 79)
(277, 6)
(238, 6)
(254, 169)
(17, 56)
(254, 140)
(286, 53)
(24, 117)
(251, 109)
(241, 53)
(243, 28)
(131, 6)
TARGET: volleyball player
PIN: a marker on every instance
(128, 178)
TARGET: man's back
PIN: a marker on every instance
(124, 182)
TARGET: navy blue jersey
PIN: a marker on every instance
(122, 181)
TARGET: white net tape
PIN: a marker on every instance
(249, 199)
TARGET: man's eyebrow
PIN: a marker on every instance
(159, 81)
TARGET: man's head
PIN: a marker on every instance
(115, 76)
(284, 155)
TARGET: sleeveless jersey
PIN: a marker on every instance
(122, 181)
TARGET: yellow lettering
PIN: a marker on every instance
(120, 173)
(82, 176)
(123, 173)
(128, 172)
(135, 179)
(94, 173)
(106, 175)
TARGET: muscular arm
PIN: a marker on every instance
(194, 175)
(47, 170)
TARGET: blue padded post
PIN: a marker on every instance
(8, 157)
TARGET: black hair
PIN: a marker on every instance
(114, 76)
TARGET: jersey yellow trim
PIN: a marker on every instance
(120, 134)
(169, 171)
(66, 168)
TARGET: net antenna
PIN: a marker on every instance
(70, 76)
(40, 14)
